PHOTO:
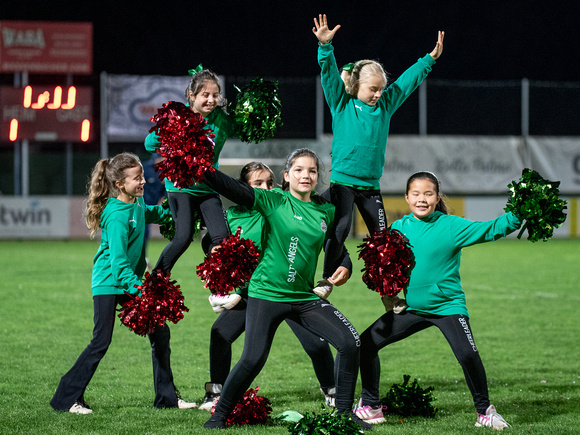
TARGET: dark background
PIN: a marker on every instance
(491, 40)
(475, 88)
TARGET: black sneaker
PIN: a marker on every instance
(363, 424)
(214, 423)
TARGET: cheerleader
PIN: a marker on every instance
(115, 205)
(434, 295)
(296, 224)
(361, 105)
(231, 322)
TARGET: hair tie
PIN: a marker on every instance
(195, 70)
(348, 66)
(427, 172)
(434, 176)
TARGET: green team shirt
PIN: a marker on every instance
(360, 131)
(223, 126)
(292, 239)
(120, 260)
(435, 284)
(251, 223)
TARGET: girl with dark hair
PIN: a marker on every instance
(296, 224)
(231, 323)
(434, 295)
(203, 95)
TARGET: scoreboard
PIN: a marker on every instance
(46, 113)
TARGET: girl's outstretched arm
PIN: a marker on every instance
(321, 30)
(439, 46)
(232, 189)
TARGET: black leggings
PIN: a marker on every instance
(73, 384)
(183, 208)
(319, 317)
(391, 327)
(231, 323)
(372, 210)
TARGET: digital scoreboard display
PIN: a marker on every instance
(46, 113)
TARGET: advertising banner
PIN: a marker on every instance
(46, 47)
(133, 100)
(463, 164)
(39, 217)
(557, 159)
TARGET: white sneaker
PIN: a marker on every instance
(329, 395)
(182, 404)
(491, 419)
(80, 408)
(394, 303)
(212, 396)
(223, 302)
(323, 289)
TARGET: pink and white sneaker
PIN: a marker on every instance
(491, 419)
(368, 414)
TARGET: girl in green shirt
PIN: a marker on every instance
(232, 321)
(361, 105)
(434, 295)
(115, 206)
(203, 96)
(296, 224)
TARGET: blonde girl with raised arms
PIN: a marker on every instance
(361, 103)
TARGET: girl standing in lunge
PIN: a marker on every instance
(296, 223)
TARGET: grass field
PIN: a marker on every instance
(523, 300)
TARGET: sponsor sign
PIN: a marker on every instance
(557, 160)
(46, 47)
(39, 217)
(133, 100)
(463, 164)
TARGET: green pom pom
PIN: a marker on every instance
(325, 424)
(536, 200)
(409, 399)
(257, 110)
(167, 229)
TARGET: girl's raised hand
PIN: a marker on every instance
(321, 30)
(439, 46)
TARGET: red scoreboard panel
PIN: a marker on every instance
(46, 113)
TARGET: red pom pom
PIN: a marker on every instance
(251, 409)
(230, 266)
(160, 300)
(388, 261)
(186, 144)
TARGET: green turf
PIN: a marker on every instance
(523, 300)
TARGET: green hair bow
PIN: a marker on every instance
(195, 70)
(348, 66)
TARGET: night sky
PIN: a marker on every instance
(490, 40)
